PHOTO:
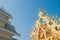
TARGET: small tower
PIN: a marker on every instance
(7, 31)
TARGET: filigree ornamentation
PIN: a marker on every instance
(46, 28)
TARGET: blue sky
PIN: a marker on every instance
(25, 12)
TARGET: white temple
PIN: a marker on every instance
(7, 31)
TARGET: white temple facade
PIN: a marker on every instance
(7, 31)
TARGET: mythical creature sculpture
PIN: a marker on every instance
(46, 28)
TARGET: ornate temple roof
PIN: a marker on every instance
(8, 26)
(5, 13)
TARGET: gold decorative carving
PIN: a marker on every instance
(46, 28)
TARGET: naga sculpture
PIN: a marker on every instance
(46, 28)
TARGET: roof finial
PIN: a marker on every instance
(40, 14)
